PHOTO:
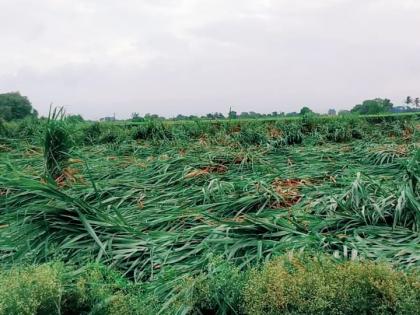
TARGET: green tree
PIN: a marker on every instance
(181, 117)
(74, 118)
(408, 100)
(136, 117)
(15, 106)
(373, 107)
(218, 115)
(305, 111)
(417, 102)
(232, 114)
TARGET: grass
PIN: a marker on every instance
(159, 202)
(57, 145)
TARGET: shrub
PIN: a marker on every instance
(31, 290)
(96, 289)
(297, 285)
(306, 285)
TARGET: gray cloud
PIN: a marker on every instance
(198, 56)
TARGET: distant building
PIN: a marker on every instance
(112, 118)
(332, 112)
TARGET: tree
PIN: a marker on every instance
(343, 112)
(136, 117)
(373, 107)
(417, 102)
(181, 117)
(218, 115)
(15, 106)
(6, 113)
(74, 118)
(305, 111)
(215, 115)
(408, 100)
(152, 117)
(232, 114)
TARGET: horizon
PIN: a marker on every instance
(202, 114)
(225, 113)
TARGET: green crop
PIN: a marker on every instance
(157, 199)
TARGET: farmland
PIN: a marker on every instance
(211, 216)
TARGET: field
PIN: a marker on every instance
(291, 216)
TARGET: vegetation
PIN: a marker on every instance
(299, 284)
(373, 107)
(299, 215)
(15, 106)
(57, 144)
(409, 100)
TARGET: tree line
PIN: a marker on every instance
(14, 106)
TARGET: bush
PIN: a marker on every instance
(95, 290)
(309, 285)
(54, 289)
(298, 285)
(31, 290)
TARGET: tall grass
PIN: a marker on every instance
(158, 202)
(57, 144)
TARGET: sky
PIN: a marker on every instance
(169, 57)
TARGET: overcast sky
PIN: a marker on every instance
(97, 57)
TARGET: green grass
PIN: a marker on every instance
(158, 202)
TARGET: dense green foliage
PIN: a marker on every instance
(15, 106)
(57, 144)
(285, 285)
(373, 107)
(172, 206)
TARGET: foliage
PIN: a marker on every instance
(373, 107)
(15, 106)
(305, 111)
(319, 285)
(31, 290)
(184, 211)
(74, 119)
(292, 284)
(3, 130)
(57, 144)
